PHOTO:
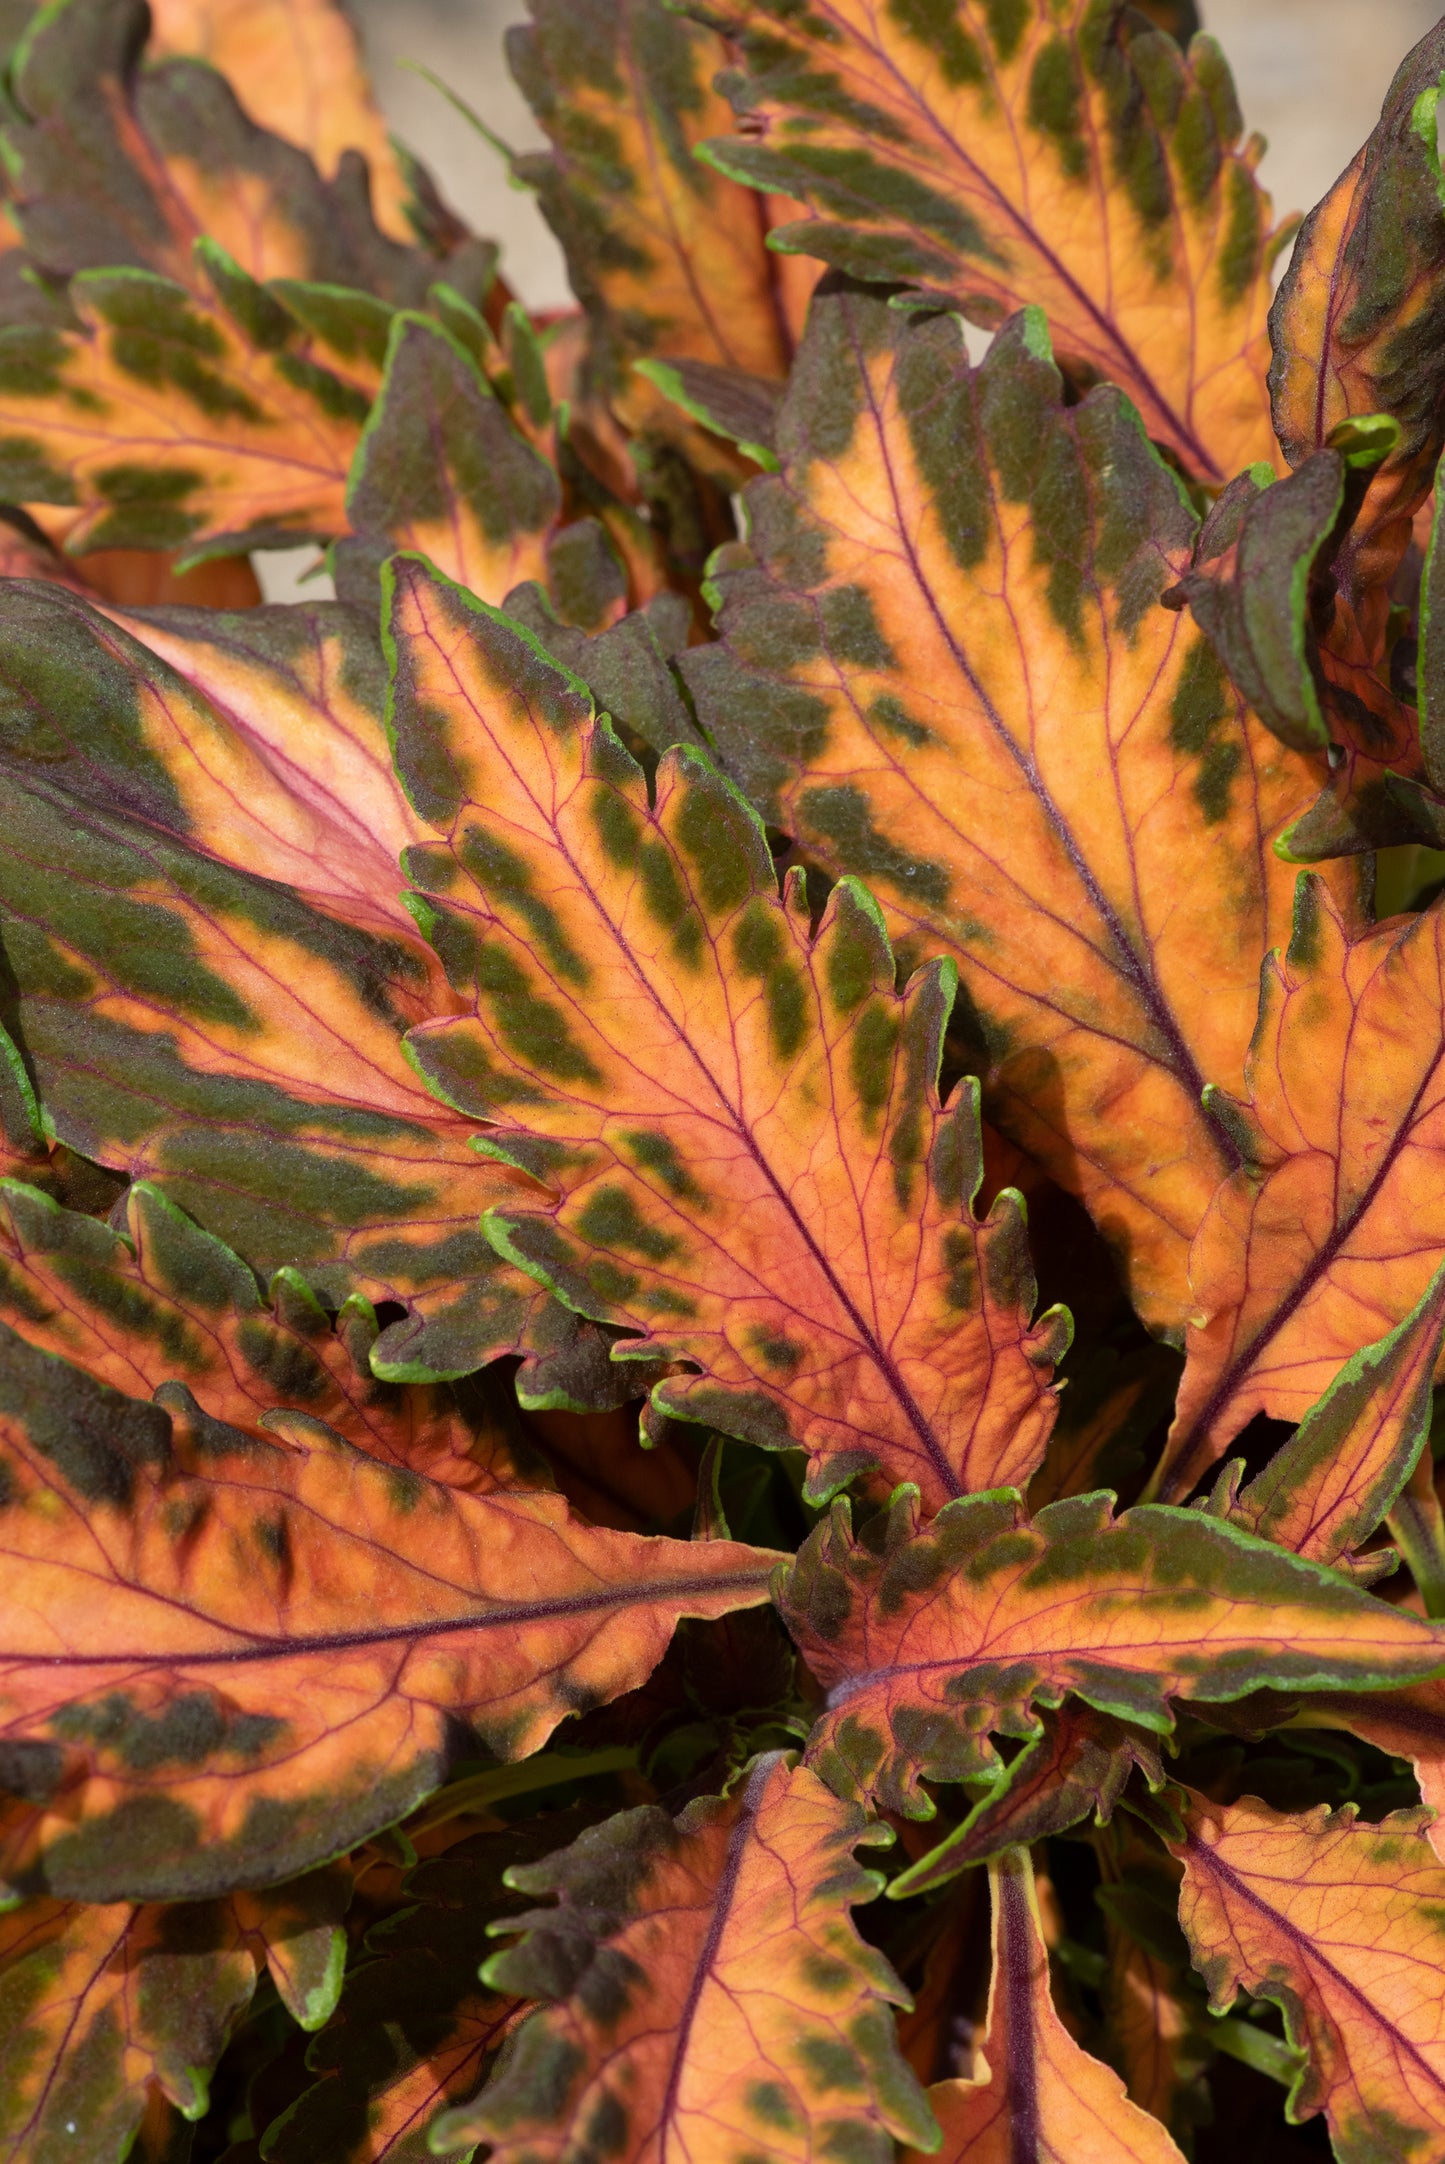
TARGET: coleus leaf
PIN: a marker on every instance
(1266, 589)
(117, 164)
(296, 66)
(738, 1117)
(204, 920)
(1030, 153)
(440, 468)
(1325, 1234)
(1337, 1921)
(667, 255)
(1326, 1490)
(1039, 2094)
(1358, 319)
(713, 1990)
(163, 1299)
(927, 1637)
(1155, 2009)
(1076, 1768)
(226, 1657)
(942, 667)
(104, 2008)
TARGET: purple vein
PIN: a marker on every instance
(1016, 1966)
(1129, 964)
(1304, 1284)
(504, 1616)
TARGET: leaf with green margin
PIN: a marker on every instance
(415, 2029)
(1332, 1230)
(1339, 1923)
(1038, 2093)
(441, 469)
(151, 1297)
(943, 668)
(1075, 1769)
(228, 1656)
(1327, 1489)
(1030, 153)
(117, 164)
(167, 419)
(103, 2007)
(1266, 591)
(1359, 319)
(629, 669)
(928, 1637)
(296, 67)
(738, 1119)
(712, 1989)
(204, 920)
(668, 257)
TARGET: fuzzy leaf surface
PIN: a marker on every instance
(1339, 1923)
(1326, 1239)
(227, 1656)
(713, 1990)
(104, 2008)
(740, 1119)
(927, 1637)
(943, 667)
(1039, 2094)
(1030, 153)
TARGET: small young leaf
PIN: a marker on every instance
(1332, 1232)
(1038, 2094)
(441, 469)
(242, 1655)
(943, 667)
(1076, 1769)
(1324, 1491)
(1037, 153)
(926, 1638)
(714, 1992)
(1339, 1923)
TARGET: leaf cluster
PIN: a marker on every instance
(722, 1260)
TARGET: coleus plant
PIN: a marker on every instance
(540, 1096)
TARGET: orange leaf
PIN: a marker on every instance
(1331, 1232)
(714, 1992)
(1036, 153)
(927, 1639)
(296, 66)
(1039, 2094)
(739, 1118)
(943, 667)
(1339, 1923)
(164, 1299)
(226, 1657)
(102, 2009)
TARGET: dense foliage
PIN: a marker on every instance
(747, 1161)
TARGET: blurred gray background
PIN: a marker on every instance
(1311, 74)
